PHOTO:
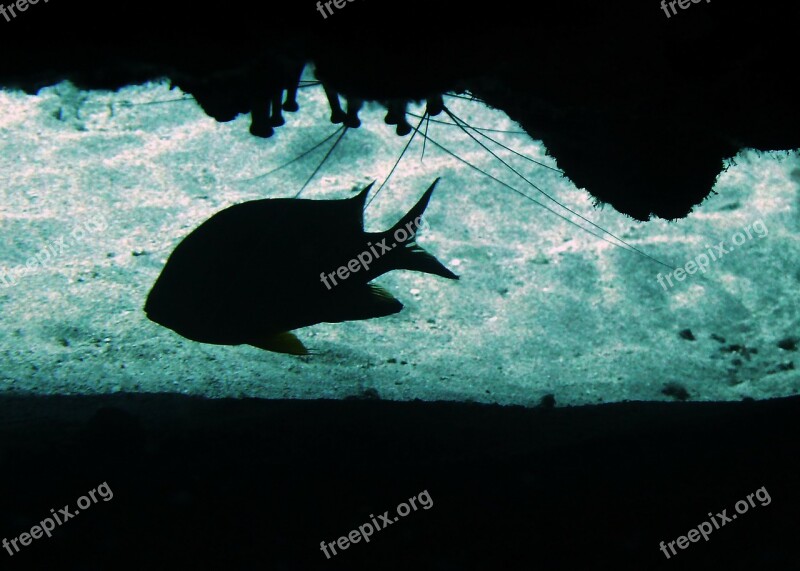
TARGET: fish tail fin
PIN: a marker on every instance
(406, 253)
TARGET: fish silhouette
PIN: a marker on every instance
(255, 271)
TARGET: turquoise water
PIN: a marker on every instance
(101, 186)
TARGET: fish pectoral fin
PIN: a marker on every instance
(382, 296)
(366, 302)
(285, 342)
(378, 302)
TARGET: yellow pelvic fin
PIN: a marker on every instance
(281, 343)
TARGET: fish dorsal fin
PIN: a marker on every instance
(359, 201)
(365, 302)
(284, 342)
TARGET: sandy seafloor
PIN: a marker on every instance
(542, 308)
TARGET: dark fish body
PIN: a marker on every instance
(252, 272)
